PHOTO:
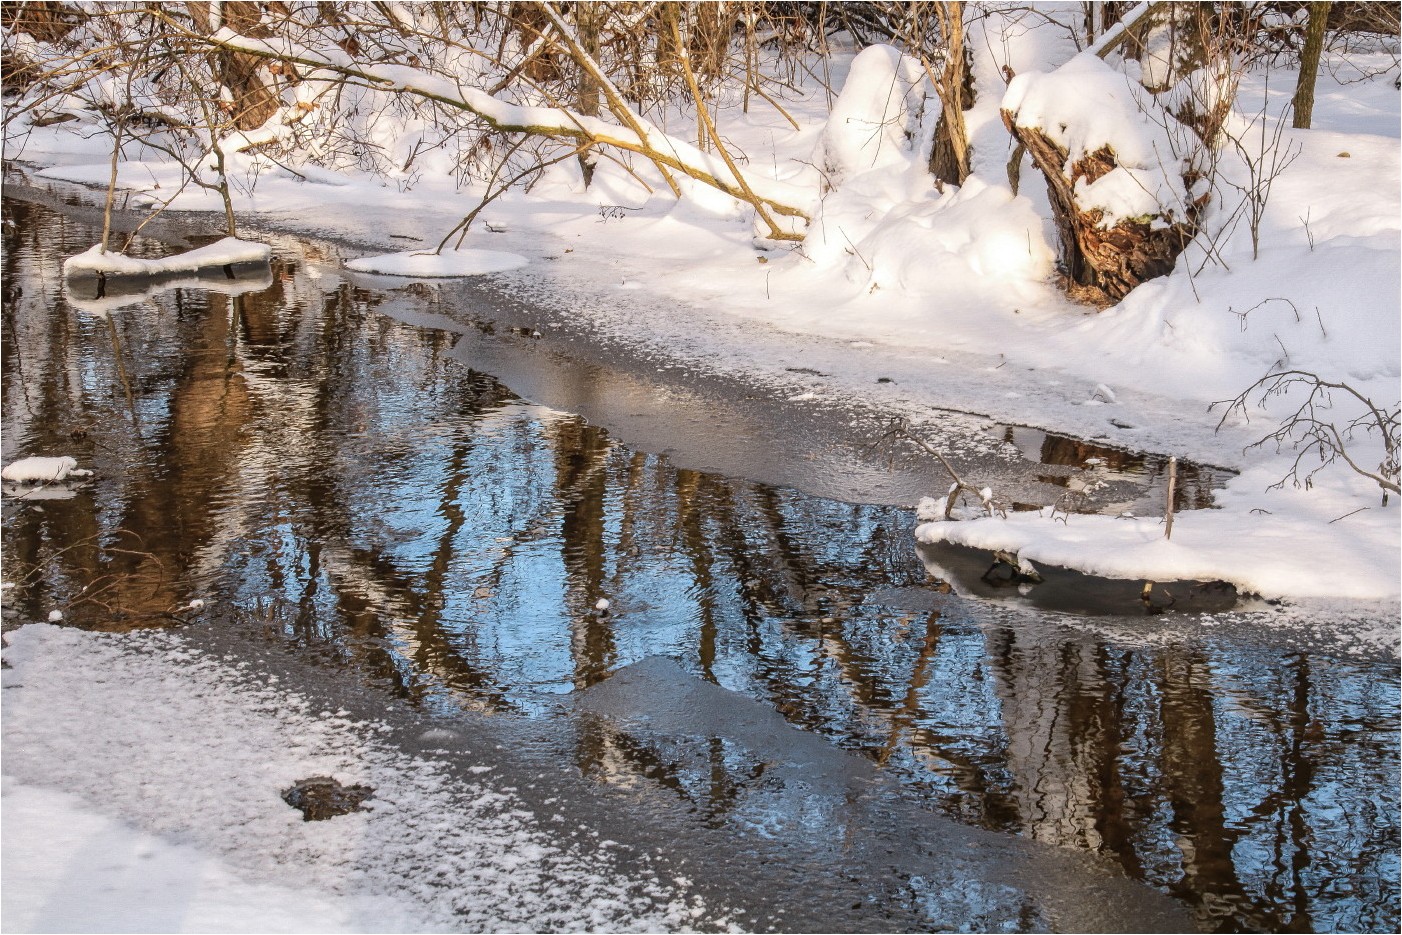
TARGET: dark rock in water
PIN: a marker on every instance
(1001, 574)
(321, 797)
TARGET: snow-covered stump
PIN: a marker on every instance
(1117, 189)
(1105, 262)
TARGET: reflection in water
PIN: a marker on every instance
(342, 478)
(1065, 456)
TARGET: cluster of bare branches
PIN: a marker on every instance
(1319, 432)
(497, 93)
(897, 437)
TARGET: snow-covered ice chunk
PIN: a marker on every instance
(39, 470)
(427, 265)
(224, 252)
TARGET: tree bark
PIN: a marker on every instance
(253, 101)
(949, 158)
(587, 91)
(1309, 65)
(1101, 264)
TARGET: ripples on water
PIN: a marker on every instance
(337, 475)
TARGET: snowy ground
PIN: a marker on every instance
(183, 828)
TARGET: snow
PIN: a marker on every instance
(37, 470)
(875, 121)
(132, 881)
(223, 252)
(170, 763)
(425, 264)
(1084, 106)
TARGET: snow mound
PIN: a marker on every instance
(42, 470)
(422, 264)
(968, 237)
(876, 119)
(224, 252)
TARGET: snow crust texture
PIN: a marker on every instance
(187, 755)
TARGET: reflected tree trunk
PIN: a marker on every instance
(581, 481)
(1194, 788)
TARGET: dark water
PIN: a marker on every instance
(342, 479)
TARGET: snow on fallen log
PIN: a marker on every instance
(226, 252)
(38, 470)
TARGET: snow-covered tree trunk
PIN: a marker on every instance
(1102, 263)
(1116, 184)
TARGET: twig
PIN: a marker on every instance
(1347, 515)
(898, 428)
(1172, 488)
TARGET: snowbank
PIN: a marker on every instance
(224, 252)
(187, 754)
(1326, 542)
(428, 265)
(132, 881)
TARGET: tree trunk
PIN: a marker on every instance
(1101, 264)
(1309, 65)
(949, 159)
(587, 92)
(253, 101)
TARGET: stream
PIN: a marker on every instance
(428, 490)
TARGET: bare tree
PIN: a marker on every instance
(1309, 64)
